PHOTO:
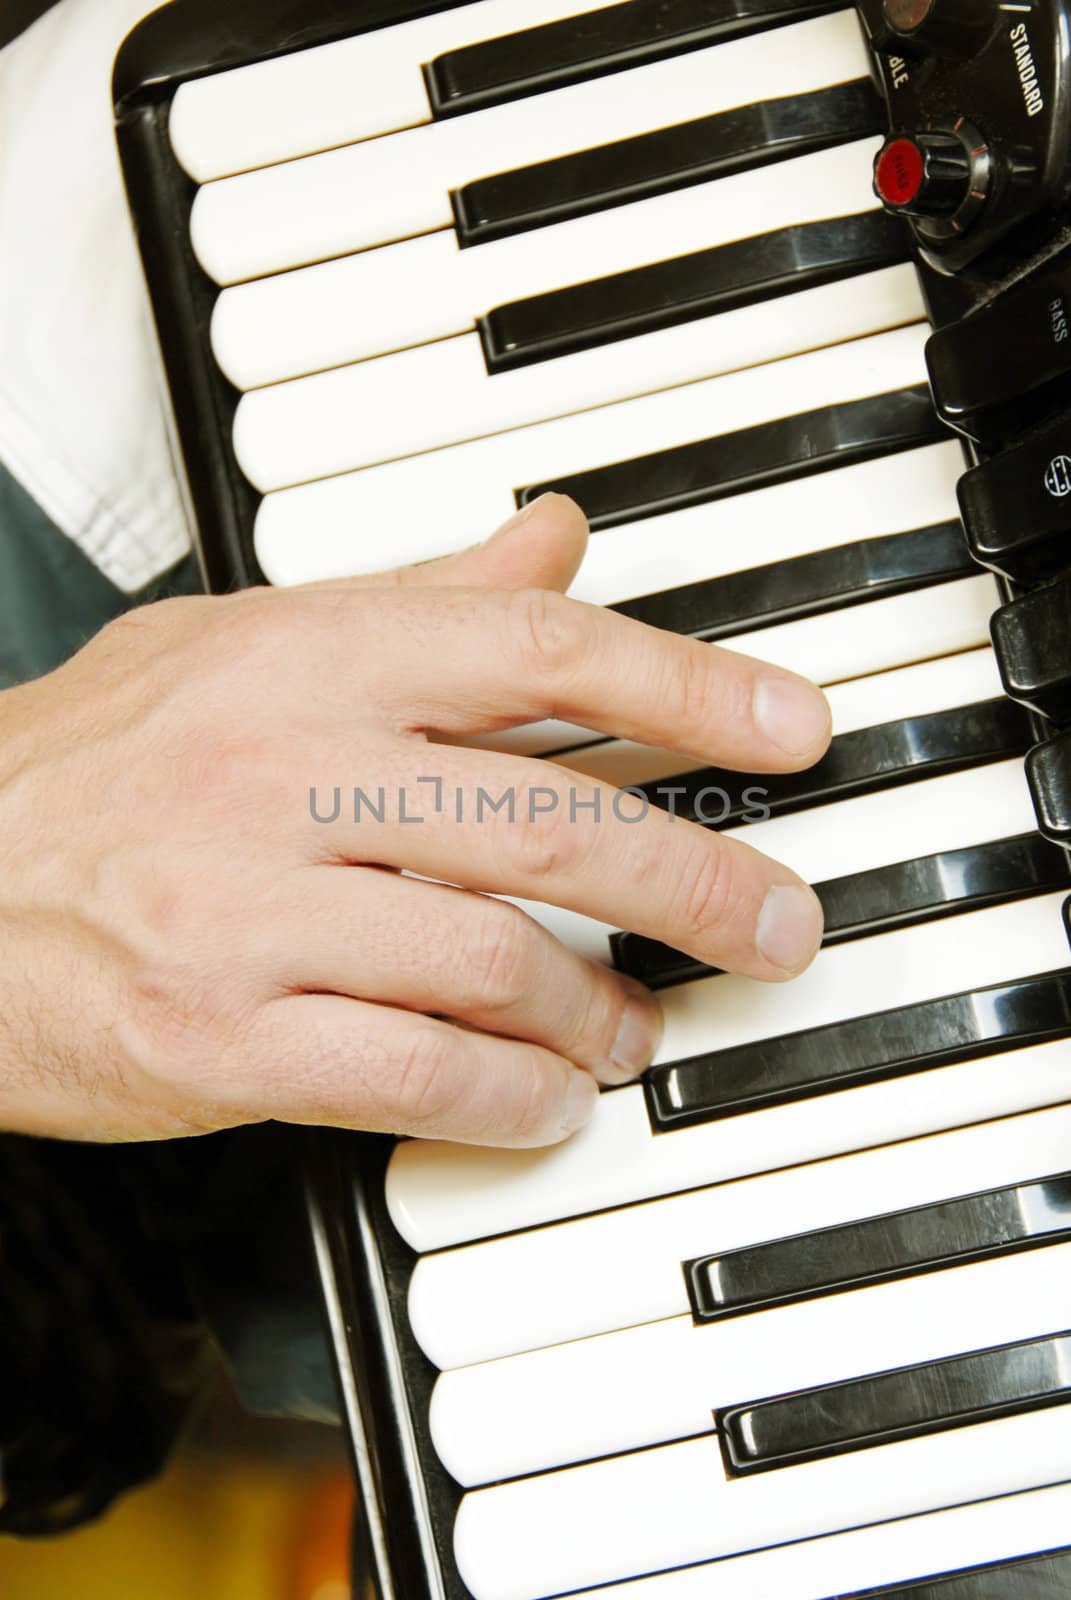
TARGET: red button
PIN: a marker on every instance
(899, 172)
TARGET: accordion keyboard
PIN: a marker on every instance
(789, 1318)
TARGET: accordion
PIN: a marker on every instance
(778, 291)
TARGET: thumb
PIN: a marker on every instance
(540, 548)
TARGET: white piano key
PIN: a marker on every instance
(660, 1381)
(902, 968)
(915, 691)
(408, 178)
(334, 93)
(430, 288)
(1002, 1529)
(952, 812)
(443, 1194)
(621, 1268)
(860, 703)
(912, 489)
(384, 409)
(400, 186)
(666, 1507)
(846, 836)
(426, 506)
(392, 405)
(879, 634)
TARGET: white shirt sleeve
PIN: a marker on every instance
(81, 415)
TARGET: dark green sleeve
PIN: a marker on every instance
(52, 598)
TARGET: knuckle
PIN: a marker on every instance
(501, 959)
(424, 1088)
(687, 691)
(528, 1117)
(547, 844)
(228, 770)
(178, 1001)
(178, 1034)
(601, 1022)
(549, 631)
(702, 691)
(707, 893)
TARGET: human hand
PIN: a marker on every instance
(184, 948)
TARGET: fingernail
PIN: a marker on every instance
(793, 714)
(639, 1033)
(580, 1098)
(789, 928)
(517, 518)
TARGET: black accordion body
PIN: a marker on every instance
(779, 291)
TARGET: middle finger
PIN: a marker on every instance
(504, 825)
(429, 947)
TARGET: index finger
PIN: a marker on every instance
(478, 660)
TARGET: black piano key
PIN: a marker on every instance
(654, 964)
(824, 580)
(740, 140)
(593, 44)
(703, 284)
(884, 898)
(1041, 1577)
(904, 1404)
(858, 1050)
(856, 763)
(1048, 773)
(900, 1244)
(916, 891)
(752, 458)
(1032, 643)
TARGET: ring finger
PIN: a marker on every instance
(404, 941)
